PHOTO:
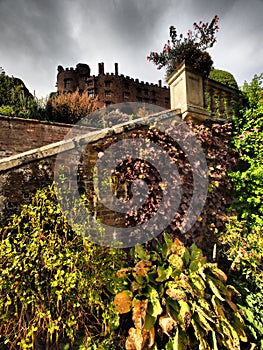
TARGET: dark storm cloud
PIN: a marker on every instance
(33, 27)
(223, 5)
(119, 27)
(130, 20)
(136, 20)
(36, 36)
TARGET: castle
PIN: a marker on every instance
(111, 88)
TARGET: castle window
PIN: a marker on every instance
(107, 83)
(91, 93)
(67, 83)
(153, 93)
(90, 82)
(107, 93)
(126, 86)
(166, 101)
(126, 95)
(146, 91)
(139, 90)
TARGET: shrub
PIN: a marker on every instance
(243, 248)
(53, 282)
(254, 92)
(242, 243)
(223, 77)
(178, 300)
(7, 110)
(191, 49)
(248, 141)
(70, 107)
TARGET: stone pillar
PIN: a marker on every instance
(187, 93)
(228, 106)
(212, 101)
(222, 107)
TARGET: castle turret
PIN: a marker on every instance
(83, 69)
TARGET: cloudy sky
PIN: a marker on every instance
(36, 36)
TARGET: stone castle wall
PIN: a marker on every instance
(111, 88)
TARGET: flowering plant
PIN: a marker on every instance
(191, 49)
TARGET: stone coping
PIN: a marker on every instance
(43, 122)
(90, 137)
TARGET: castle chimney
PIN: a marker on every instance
(116, 69)
(160, 83)
(101, 68)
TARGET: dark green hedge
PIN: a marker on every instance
(223, 77)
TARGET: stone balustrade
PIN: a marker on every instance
(220, 100)
(198, 98)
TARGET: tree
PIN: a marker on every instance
(16, 100)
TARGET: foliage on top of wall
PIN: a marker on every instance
(223, 77)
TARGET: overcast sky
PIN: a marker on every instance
(38, 35)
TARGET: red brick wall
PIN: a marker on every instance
(119, 88)
(20, 135)
(112, 87)
(19, 182)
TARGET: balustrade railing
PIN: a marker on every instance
(220, 100)
(200, 99)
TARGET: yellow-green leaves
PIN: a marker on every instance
(176, 293)
(140, 271)
(52, 279)
(214, 289)
(163, 273)
(176, 261)
(123, 301)
(140, 252)
(155, 307)
(219, 274)
(185, 314)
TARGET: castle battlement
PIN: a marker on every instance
(111, 88)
